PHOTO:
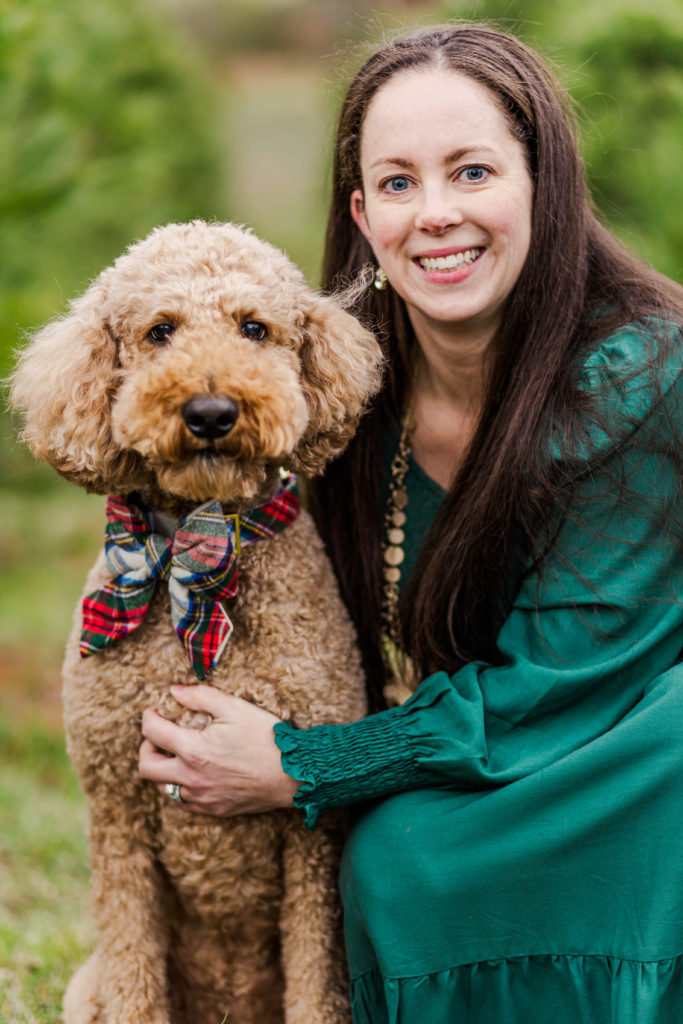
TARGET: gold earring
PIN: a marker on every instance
(380, 280)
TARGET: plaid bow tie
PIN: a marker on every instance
(199, 563)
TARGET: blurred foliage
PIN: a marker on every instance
(108, 127)
(44, 560)
(633, 117)
(278, 26)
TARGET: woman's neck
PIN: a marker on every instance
(448, 394)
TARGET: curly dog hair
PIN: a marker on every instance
(192, 370)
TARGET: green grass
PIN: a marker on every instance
(44, 923)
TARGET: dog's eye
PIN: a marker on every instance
(254, 330)
(160, 333)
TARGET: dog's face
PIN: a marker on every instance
(192, 369)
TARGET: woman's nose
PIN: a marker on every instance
(438, 211)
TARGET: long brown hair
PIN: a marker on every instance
(577, 285)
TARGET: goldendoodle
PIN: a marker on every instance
(184, 383)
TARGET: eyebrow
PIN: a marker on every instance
(457, 154)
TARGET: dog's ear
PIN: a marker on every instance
(341, 370)
(62, 387)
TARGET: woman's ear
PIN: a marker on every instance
(357, 205)
(341, 370)
(63, 386)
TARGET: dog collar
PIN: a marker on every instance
(199, 564)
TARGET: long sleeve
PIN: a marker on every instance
(582, 642)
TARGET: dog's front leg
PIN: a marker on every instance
(314, 963)
(129, 905)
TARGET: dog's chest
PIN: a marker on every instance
(241, 856)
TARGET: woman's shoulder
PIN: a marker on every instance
(634, 356)
(629, 381)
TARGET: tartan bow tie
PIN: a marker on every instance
(199, 563)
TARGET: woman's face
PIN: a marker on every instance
(446, 199)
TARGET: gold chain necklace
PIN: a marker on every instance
(403, 677)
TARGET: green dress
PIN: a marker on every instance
(517, 852)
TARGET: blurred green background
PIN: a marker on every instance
(118, 115)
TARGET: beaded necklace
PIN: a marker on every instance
(400, 667)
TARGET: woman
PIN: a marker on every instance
(524, 862)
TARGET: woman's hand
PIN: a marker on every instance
(230, 767)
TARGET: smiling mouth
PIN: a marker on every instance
(453, 261)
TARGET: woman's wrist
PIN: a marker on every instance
(287, 790)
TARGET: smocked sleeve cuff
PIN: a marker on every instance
(339, 765)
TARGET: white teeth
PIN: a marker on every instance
(452, 262)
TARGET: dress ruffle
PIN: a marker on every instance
(286, 741)
(550, 989)
(326, 760)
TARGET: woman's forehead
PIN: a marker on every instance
(420, 108)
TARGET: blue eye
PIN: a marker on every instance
(474, 173)
(397, 184)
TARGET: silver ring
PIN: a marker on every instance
(172, 789)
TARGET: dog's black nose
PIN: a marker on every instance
(210, 416)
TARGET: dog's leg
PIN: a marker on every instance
(129, 907)
(236, 978)
(316, 981)
(82, 1001)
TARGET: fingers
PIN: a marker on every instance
(155, 765)
(158, 767)
(168, 736)
(162, 770)
(201, 697)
